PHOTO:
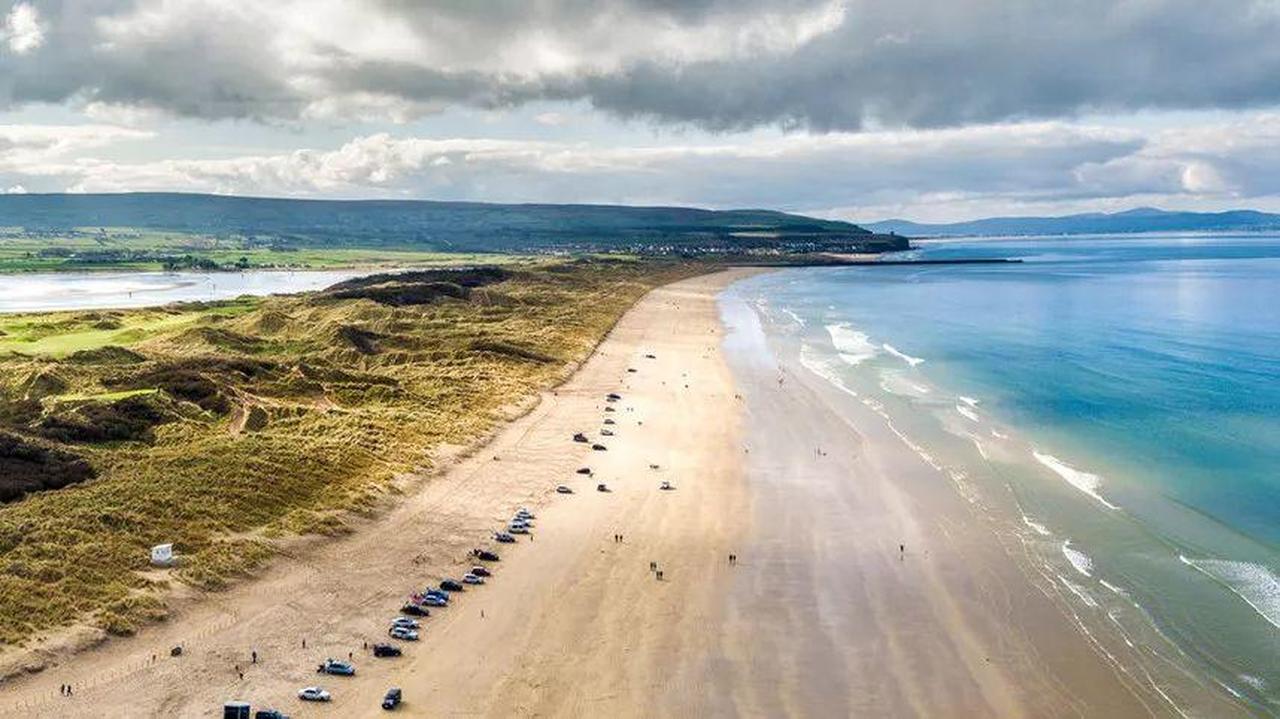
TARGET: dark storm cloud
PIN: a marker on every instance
(710, 63)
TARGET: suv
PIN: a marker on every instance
(268, 714)
(386, 650)
(333, 666)
(392, 699)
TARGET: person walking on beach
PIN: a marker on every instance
(253, 656)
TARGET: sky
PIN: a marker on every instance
(932, 110)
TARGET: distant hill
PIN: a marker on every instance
(1142, 219)
(444, 226)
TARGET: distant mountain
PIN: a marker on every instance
(1142, 219)
(470, 226)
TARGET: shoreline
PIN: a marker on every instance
(822, 615)
(884, 584)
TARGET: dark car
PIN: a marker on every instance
(613, 397)
(599, 447)
(449, 585)
(392, 699)
(386, 650)
(584, 470)
(486, 555)
(580, 437)
(268, 714)
(504, 538)
(415, 610)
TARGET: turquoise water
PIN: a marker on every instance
(1125, 392)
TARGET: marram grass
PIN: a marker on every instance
(317, 404)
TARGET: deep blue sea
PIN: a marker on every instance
(1125, 391)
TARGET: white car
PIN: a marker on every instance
(518, 529)
(472, 579)
(314, 694)
(523, 512)
(405, 622)
(408, 635)
(563, 489)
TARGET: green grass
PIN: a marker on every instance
(145, 249)
(314, 425)
(58, 334)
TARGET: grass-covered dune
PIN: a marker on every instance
(223, 427)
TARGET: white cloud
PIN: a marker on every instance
(23, 30)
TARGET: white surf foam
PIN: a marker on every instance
(1081, 480)
(1078, 590)
(793, 316)
(999, 435)
(1036, 526)
(968, 400)
(853, 346)
(968, 414)
(1113, 588)
(822, 366)
(1257, 585)
(913, 361)
(1078, 559)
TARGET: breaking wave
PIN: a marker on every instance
(1257, 585)
(913, 361)
(854, 346)
(1084, 481)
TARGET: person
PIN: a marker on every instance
(62, 690)
(659, 575)
(653, 566)
(241, 676)
(254, 656)
(304, 642)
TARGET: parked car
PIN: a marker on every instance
(518, 529)
(405, 622)
(606, 433)
(432, 600)
(314, 694)
(450, 585)
(333, 666)
(584, 470)
(580, 437)
(613, 396)
(386, 650)
(269, 714)
(610, 409)
(524, 512)
(602, 487)
(416, 610)
(599, 447)
(486, 555)
(408, 635)
(562, 489)
(609, 420)
(504, 537)
(666, 485)
(472, 579)
(392, 698)
(480, 571)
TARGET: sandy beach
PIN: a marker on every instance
(823, 615)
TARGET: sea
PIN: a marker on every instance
(50, 291)
(1112, 405)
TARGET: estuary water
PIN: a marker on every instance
(47, 291)
(1113, 403)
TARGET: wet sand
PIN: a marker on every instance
(822, 616)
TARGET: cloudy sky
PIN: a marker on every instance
(858, 109)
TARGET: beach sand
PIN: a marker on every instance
(822, 615)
